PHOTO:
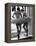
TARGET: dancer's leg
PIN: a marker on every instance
(18, 30)
(26, 28)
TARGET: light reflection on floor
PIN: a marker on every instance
(14, 32)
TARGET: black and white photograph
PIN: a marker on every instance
(21, 22)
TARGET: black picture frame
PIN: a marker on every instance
(8, 23)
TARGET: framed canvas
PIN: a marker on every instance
(19, 22)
